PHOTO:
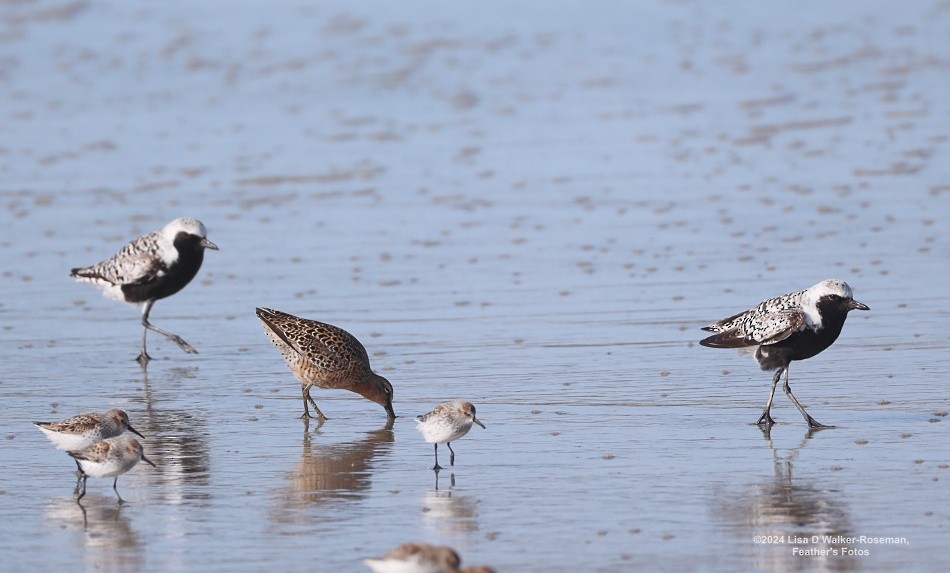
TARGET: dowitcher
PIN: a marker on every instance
(325, 356)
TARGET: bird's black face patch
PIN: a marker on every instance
(833, 304)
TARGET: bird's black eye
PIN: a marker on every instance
(834, 297)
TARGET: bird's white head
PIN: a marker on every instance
(185, 225)
(830, 287)
(833, 294)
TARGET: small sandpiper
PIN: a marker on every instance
(790, 327)
(83, 430)
(448, 422)
(150, 268)
(422, 558)
(325, 356)
(111, 457)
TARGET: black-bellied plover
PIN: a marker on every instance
(325, 356)
(150, 268)
(790, 327)
(449, 421)
(111, 457)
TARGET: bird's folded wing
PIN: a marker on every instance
(754, 329)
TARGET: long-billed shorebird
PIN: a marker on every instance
(150, 268)
(449, 421)
(325, 356)
(111, 457)
(790, 327)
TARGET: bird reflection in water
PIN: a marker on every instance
(176, 440)
(110, 541)
(794, 509)
(444, 510)
(329, 473)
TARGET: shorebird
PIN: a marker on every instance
(83, 430)
(422, 558)
(448, 422)
(111, 457)
(790, 327)
(325, 356)
(150, 268)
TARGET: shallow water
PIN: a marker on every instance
(534, 207)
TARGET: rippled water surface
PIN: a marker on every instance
(534, 206)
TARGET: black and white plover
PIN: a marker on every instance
(325, 356)
(794, 326)
(449, 421)
(150, 268)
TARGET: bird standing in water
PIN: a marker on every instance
(325, 356)
(449, 421)
(795, 326)
(150, 268)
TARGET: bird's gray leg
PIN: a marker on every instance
(173, 337)
(766, 417)
(84, 477)
(115, 488)
(452, 457)
(812, 423)
(308, 398)
(436, 467)
(143, 356)
(79, 474)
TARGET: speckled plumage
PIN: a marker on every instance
(795, 326)
(152, 267)
(111, 457)
(416, 558)
(325, 356)
(83, 430)
(449, 421)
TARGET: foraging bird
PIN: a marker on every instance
(83, 430)
(111, 457)
(325, 356)
(790, 327)
(448, 422)
(150, 268)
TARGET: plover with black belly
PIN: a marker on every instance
(449, 421)
(325, 356)
(109, 458)
(150, 268)
(790, 327)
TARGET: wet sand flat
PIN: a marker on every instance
(531, 206)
